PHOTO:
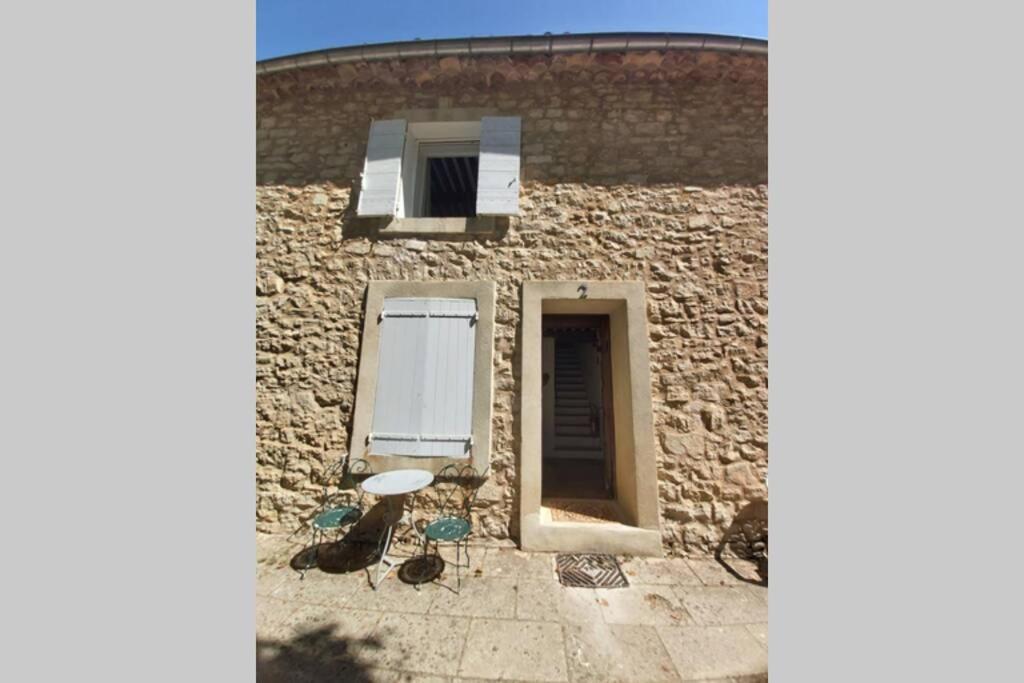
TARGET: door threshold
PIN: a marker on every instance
(542, 533)
(585, 510)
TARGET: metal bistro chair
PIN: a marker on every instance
(456, 488)
(337, 512)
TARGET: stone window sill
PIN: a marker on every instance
(443, 227)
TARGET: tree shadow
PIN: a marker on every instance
(316, 655)
(747, 539)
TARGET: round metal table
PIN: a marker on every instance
(393, 486)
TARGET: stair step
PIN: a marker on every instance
(571, 411)
(578, 455)
(573, 430)
(571, 420)
(578, 443)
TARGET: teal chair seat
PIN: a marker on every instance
(335, 518)
(447, 529)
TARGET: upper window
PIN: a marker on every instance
(442, 169)
(446, 175)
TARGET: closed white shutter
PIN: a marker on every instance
(382, 170)
(424, 401)
(497, 191)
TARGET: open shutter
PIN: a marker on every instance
(424, 396)
(382, 170)
(498, 181)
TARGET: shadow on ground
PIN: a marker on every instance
(316, 655)
(747, 540)
(354, 551)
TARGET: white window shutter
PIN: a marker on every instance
(497, 191)
(382, 170)
(424, 396)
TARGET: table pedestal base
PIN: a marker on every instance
(387, 563)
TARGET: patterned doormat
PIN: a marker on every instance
(590, 571)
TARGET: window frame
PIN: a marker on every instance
(412, 177)
(431, 149)
(483, 372)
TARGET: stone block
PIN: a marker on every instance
(714, 652)
(690, 445)
(530, 650)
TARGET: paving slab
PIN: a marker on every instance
(712, 573)
(394, 596)
(319, 588)
(316, 642)
(386, 676)
(720, 605)
(270, 613)
(550, 601)
(269, 577)
(702, 652)
(340, 627)
(515, 564)
(420, 643)
(639, 604)
(615, 652)
(276, 548)
(529, 650)
(760, 591)
(660, 571)
(479, 597)
(759, 631)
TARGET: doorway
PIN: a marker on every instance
(578, 444)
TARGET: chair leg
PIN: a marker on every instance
(316, 556)
(458, 567)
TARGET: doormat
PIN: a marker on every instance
(590, 571)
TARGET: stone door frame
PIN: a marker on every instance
(636, 483)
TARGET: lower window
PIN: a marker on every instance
(424, 390)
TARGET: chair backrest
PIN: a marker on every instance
(348, 473)
(356, 471)
(456, 488)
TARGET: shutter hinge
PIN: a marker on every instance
(429, 314)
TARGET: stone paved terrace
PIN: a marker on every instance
(679, 619)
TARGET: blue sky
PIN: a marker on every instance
(288, 26)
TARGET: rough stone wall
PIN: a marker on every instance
(635, 167)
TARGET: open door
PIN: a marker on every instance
(579, 451)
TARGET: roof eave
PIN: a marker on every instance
(516, 45)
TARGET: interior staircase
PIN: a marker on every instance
(576, 433)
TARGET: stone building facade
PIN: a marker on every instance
(642, 160)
